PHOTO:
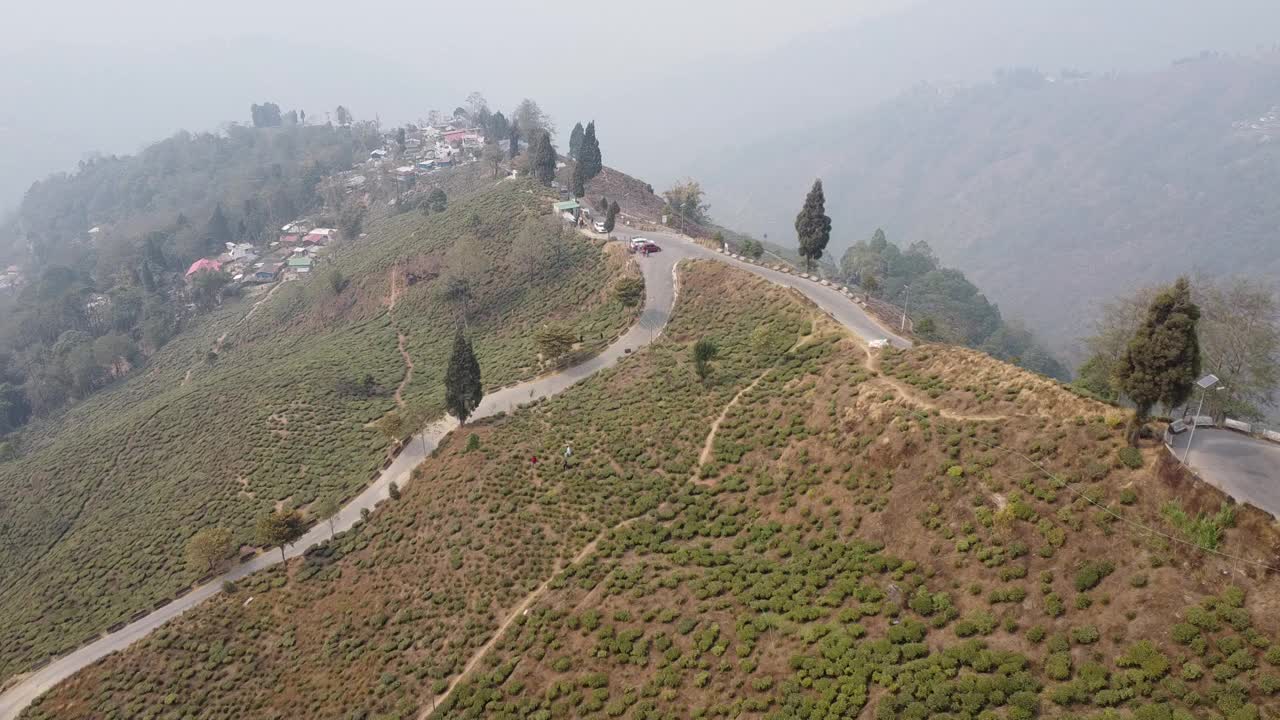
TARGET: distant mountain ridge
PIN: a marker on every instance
(1050, 192)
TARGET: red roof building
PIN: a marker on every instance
(203, 264)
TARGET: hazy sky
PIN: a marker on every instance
(89, 76)
(670, 82)
(541, 34)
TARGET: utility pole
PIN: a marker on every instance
(905, 304)
(1205, 383)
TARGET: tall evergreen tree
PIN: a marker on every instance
(589, 153)
(219, 229)
(579, 184)
(542, 158)
(813, 226)
(462, 389)
(575, 141)
(1162, 361)
(611, 217)
(513, 138)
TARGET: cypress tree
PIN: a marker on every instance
(219, 229)
(611, 217)
(462, 389)
(579, 186)
(1162, 361)
(514, 138)
(813, 226)
(542, 158)
(589, 153)
(575, 141)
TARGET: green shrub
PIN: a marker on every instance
(1086, 635)
(1092, 573)
(1058, 666)
(1130, 457)
(1273, 654)
(1183, 633)
(1053, 606)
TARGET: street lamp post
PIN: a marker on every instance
(1205, 383)
(905, 304)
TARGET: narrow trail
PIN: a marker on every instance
(394, 292)
(408, 369)
(514, 615)
(911, 395)
(705, 456)
(217, 345)
(258, 304)
(915, 398)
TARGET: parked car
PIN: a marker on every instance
(650, 247)
(598, 226)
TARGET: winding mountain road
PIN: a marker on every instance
(661, 290)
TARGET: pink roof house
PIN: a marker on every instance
(203, 264)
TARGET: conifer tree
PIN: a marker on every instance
(462, 389)
(1162, 361)
(513, 138)
(589, 153)
(219, 229)
(611, 217)
(579, 184)
(542, 158)
(813, 226)
(575, 141)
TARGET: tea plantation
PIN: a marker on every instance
(918, 534)
(249, 410)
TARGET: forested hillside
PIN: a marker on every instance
(943, 304)
(278, 401)
(102, 251)
(1052, 192)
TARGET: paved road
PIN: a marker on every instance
(660, 297)
(829, 299)
(1245, 468)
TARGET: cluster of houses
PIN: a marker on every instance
(1265, 127)
(426, 150)
(11, 278)
(298, 248)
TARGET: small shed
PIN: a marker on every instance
(567, 209)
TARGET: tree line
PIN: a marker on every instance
(943, 303)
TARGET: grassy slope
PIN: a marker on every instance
(95, 519)
(858, 538)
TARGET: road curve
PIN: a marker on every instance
(826, 297)
(1243, 467)
(660, 296)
